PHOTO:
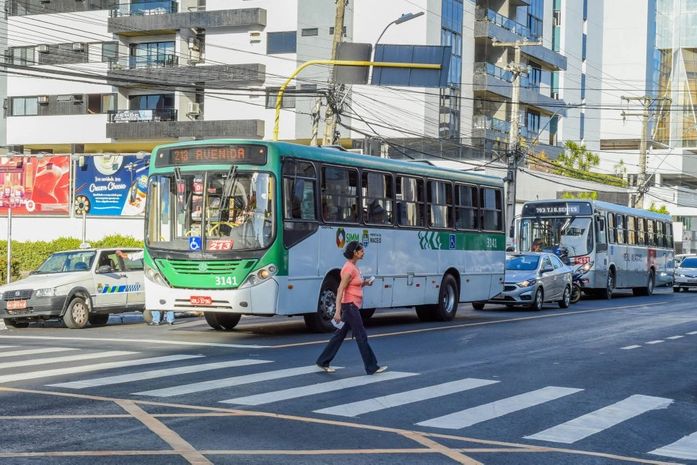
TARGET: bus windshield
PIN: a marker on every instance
(568, 235)
(215, 211)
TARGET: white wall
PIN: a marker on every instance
(56, 129)
(47, 228)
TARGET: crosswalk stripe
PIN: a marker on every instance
(685, 448)
(94, 367)
(229, 382)
(601, 419)
(672, 338)
(354, 409)
(43, 350)
(499, 408)
(67, 358)
(317, 388)
(152, 374)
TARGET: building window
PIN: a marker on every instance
(584, 46)
(23, 56)
(583, 86)
(25, 106)
(309, 32)
(152, 54)
(110, 51)
(151, 102)
(535, 17)
(535, 76)
(533, 122)
(451, 34)
(281, 42)
(585, 10)
(288, 97)
(331, 31)
(582, 126)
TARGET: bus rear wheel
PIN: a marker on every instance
(222, 321)
(650, 285)
(446, 308)
(321, 320)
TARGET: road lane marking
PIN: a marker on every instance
(480, 323)
(43, 350)
(146, 341)
(317, 388)
(672, 338)
(354, 409)
(685, 448)
(692, 333)
(152, 374)
(176, 442)
(601, 419)
(630, 347)
(95, 367)
(500, 445)
(230, 382)
(657, 341)
(499, 408)
(67, 358)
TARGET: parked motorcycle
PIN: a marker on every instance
(578, 281)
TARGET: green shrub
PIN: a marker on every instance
(3, 270)
(29, 255)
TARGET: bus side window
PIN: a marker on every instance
(601, 238)
(611, 229)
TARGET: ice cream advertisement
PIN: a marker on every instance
(35, 185)
(111, 185)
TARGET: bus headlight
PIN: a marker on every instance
(260, 275)
(587, 267)
(153, 275)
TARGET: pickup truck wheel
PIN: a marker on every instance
(77, 314)
(99, 319)
(16, 323)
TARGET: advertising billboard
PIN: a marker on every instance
(112, 185)
(35, 185)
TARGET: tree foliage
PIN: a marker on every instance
(662, 209)
(577, 162)
(580, 195)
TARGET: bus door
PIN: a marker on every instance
(601, 248)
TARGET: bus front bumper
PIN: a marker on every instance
(261, 299)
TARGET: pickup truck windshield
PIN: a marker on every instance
(65, 262)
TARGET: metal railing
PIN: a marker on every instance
(155, 7)
(140, 116)
(141, 62)
(495, 124)
(495, 71)
(508, 24)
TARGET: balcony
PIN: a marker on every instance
(134, 73)
(144, 9)
(130, 125)
(165, 21)
(488, 128)
(496, 80)
(491, 17)
(134, 116)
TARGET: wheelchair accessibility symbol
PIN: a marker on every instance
(195, 243)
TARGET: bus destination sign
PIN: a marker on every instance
(213, 155)
(557, 209)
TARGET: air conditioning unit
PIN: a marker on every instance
(42, 48)
(254, 37)
(194, 109)
(78, 47)
(77, 98)
(194, 44)
(42, 99)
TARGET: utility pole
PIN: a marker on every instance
(646, 102)
(333, 102)
(514, 153)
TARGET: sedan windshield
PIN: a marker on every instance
(522, 263)
(212, 211)
(689, 263)
(66, 262)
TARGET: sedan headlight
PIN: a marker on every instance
(152, 274)
(680, 275)
(260, 275)
(526, 283)
(46, 292)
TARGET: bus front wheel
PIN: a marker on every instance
(222, 321)
(321, 320)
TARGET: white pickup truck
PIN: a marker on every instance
(78, 286)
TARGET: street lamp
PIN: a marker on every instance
(402, 19)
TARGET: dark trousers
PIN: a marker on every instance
(352, 320)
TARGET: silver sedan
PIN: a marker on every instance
(533, 279)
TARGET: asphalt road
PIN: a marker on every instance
(603, 382)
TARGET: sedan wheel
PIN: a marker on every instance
(566, 298)
(538, 301)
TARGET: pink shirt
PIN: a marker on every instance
(353, 293)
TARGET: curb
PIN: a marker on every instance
(2, 324)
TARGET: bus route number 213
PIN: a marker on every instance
(225, 281)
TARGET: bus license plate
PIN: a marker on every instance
(16, 304)
(200, 300)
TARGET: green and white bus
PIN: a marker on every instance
(246, 227)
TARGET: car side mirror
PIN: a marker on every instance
(104, 269)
